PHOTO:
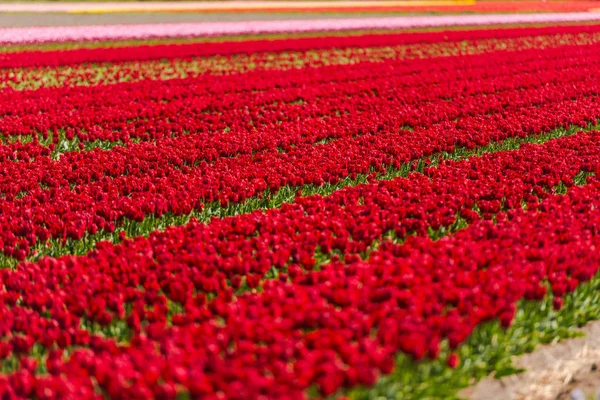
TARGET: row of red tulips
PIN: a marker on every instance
(56, 58)
(261, 110)
(127, 71)
(169, 302)
(90, 191)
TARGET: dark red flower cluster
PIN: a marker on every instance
(259, 102)
(177, 68)
(292, 128)
(181, 313)
(56, 58)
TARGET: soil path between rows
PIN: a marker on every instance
(551, 372)
(11, 20)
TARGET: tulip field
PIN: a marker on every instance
(353, 215)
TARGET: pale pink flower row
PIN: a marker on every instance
(106, 32)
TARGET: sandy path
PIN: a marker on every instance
(552, 372)
(12, 20)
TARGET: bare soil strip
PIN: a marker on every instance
(551, 372)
